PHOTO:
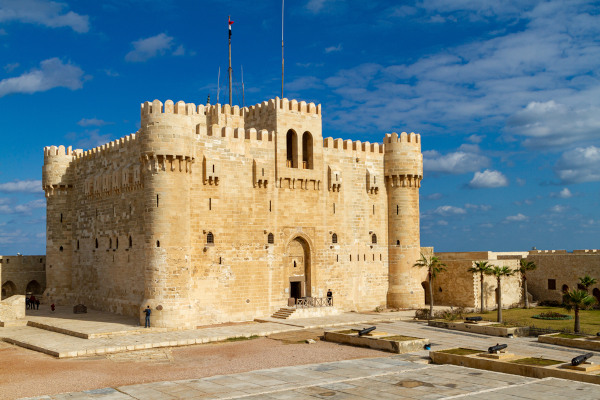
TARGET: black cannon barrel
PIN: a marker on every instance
(496, 348)
(477, 318)
(366, 330)
(581, 359)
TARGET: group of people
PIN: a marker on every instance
(32, 303)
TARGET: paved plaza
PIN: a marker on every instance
(378, 379)
(407, 376)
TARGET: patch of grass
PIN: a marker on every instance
(461, 351)
(400, 338)
(552, 316)
(241, 338)
(504, 325)
(590, 319)
(536, 361)
(569, 336)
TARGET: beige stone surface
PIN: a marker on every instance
(213, 213)
(22, 274)
(12, 308)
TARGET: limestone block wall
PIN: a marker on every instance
(213, 214)
(22, 275)
(557, 269)
(12, 308)
(459, 288)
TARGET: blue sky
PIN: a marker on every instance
(506, 96)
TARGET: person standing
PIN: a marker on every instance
(52, 307)
(329, 297)
(37, 304)
(147, 311)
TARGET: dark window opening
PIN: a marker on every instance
(60, 217)
(96, 243)
(117, 244)
(269, 205)
(210, 238)
(130, 242)
(271, 238)
(61, 248)
(337, 258)
(397, 243)
(156, 200)
(565, 288)
(209, 203)
(307, 151)
(220, 260)
(334, 238)
(158, 243)
(334, 208)
(551, 284)
(397, 209)
(41, 259)
(350, 257)
(374, 239)
(110, 243)
(373, 209)
(291, 149)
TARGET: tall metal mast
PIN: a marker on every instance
(282, 63)
(230, 70)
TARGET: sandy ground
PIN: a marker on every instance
(25, 373)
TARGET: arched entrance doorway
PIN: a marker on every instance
(425, 286)
(34, 287)
(8, 289)
(297, 269)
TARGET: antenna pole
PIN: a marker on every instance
(230, 71)
(243, 99)
(218, 84)
(282, 59)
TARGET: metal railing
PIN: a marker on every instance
(310, 302)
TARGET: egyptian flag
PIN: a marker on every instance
(230, 23)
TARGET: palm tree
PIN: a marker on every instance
(586, 282)
(577, 300)
(499, 272)
(525, 266)
(434, 267)
(481, 267)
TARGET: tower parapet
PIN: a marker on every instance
(55, 172)
(403, 168)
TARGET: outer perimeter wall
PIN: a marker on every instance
(22, 275)
(215, 214)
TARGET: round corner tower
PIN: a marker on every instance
(403, 165)
(167, 154)
(57, 184)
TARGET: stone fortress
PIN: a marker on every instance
(213, 214)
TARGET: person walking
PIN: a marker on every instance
(147, 311)
(37, 304)
(27, 302)
(52, 307)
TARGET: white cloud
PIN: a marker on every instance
(11, 67)
(30, 206)
(557, 208)
(475, 138)
(550, 124)
(517, 218)
(442, 222)
(179, 51)
(434, 196)
(333, 49)
(48, 13)
(303, 83)
(581, 164)
(563, 194)
(92, 122)
(315, 5)
(89, 138)
(27, 186)
(448, 210)
(464, 160)
(488, 179)
(482, 207)
(145, 49)
(521, 182)
(51, 74)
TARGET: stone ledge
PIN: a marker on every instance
(586, 342)
(484, 328)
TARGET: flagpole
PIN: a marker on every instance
(282, 59)
(230, 71)
(243, 99)
(218, 84)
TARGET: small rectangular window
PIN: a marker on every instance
(551, 284)
(209, 203)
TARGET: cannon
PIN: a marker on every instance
(581, 359)
(474, 319)
(366, 331)
(497, 348)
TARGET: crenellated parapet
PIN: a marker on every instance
(350, 147)
(403, 161)
(56, 174)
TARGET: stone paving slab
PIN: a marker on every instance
(379, 378)
(343, 319)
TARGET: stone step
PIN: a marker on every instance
(283, 313)
(14, 322)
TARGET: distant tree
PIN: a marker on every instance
(434, 266)
(499, 272)
(587, 281)
(524, 267)
(577, 300)
(481, 268)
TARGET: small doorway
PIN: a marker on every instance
(295, 290)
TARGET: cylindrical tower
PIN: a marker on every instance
(167, 157)
(403, 164)
(57, 184)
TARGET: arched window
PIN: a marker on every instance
(307, 151)
(210, 238)
(334, 238)
(374, 239)
(291, 142)
(270, 238)
(33, 287)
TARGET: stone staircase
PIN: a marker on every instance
(284, 313)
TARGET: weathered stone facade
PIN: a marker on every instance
(460, 288)
(214, 213)
(558, 270)
(22, 275)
